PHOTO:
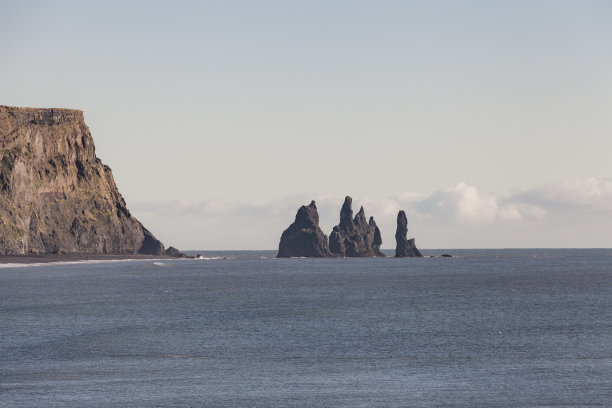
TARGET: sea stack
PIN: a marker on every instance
(304, 237)
(355, 237)
(56, 196)
(405, 247)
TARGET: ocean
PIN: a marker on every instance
(485, 328)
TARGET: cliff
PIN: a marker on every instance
(355, 237)
(56, 196)
(304, 237)
(404, 247)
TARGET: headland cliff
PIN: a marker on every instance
(56, 196)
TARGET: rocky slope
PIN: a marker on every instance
(56, 196)
(404, 247)
(355, 237)
(304, 237)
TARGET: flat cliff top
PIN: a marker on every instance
(56, 196)
(12, 115)
(28, 110)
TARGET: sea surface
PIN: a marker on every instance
(486, 328)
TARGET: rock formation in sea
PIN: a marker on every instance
(304, 237)
(405, 247)
(175, 253)
(56, 196)
(355, 237)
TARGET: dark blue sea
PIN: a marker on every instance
(486, 328)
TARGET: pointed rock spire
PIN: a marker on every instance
(346, 214)
(304, 237)
(377, 238)
(360, 221)
(404, 247)
(354, 237)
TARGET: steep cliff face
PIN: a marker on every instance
(355, 237)
(304, 237)
(56, 196)
(404, 247)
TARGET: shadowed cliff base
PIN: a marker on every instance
(56, 196)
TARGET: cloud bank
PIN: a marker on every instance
(575, 213)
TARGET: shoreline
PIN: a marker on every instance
(49, 258)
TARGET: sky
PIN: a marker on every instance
(488, 122)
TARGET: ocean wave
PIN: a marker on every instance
(212, 258)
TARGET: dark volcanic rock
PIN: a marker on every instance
(304, 237)
(150, 244)
(336, 242)
(355, 237)
(172, 251)
(377, 239)
(175, 253)
(56, 196)
(405, 247)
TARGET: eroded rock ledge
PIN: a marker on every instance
(56, 196)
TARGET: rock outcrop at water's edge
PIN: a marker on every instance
(355, 237)
(56, 196)
(405, 247)
(304, 237)
(175, 253)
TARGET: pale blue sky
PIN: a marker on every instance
(220, 118)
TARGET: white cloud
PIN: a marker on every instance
(464, 204)
(589, 193)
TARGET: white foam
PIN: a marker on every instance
(212, 258)
(59, 263)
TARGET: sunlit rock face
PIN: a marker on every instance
(56, 196)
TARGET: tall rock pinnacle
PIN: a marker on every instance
(405, 247)
(355, 237)
(346, 214)
(377, 238)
